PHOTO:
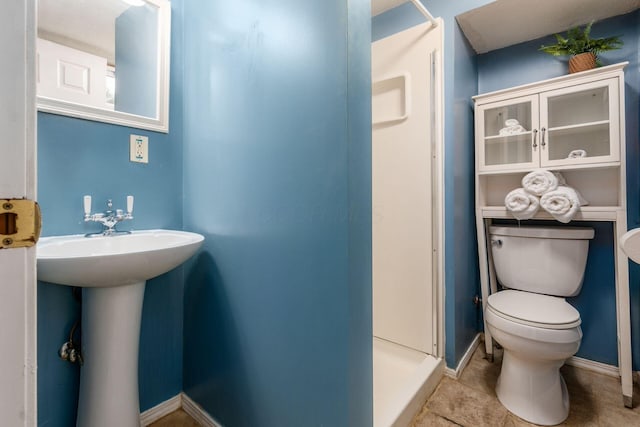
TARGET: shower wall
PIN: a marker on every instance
(402, 181)
(462, 319)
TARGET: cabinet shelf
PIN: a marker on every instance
(501, 138)
(586, 213)
(584, 127)
(527, 169)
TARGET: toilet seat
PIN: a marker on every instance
(536, 310)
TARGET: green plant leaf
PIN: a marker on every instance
(587, 31)
(578, 40)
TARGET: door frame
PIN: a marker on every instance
(18, 286)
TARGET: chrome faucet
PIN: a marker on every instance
(108, 218)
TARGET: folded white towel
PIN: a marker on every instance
(576, 154)
(511, 127)
(521, 204)
(560, 178)
(582, 200)
(511, 130)
(541, 181)
(562, 203)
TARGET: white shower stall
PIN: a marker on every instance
(407, 221)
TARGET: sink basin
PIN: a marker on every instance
(630, 244)
(113, 260)
(113, 271)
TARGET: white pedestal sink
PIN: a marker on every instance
(113, 271)
(630, 244)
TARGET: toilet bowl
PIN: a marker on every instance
(537, 328)
(530, 384)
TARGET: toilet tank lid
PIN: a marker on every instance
(571, 233)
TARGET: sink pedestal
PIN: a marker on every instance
(110, 341)
(112, 270)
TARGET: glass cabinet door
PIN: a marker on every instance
(508, 134)
(579, 124)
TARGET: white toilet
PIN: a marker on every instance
(538, 329)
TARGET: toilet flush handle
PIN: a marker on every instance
(496, 242)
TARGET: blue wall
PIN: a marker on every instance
(277, 161)
(78, 157)
(360, 328)
(460, 84)
(523, 63)
(137, 60)
(277, 177)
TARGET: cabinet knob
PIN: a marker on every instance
(542, 143)
(535, 136)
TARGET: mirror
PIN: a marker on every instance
(105, 60)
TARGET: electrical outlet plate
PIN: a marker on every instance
(139, 148)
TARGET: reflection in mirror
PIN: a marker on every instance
(105, 60)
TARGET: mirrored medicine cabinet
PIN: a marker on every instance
(105, 60)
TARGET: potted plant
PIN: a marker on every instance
(581, 47)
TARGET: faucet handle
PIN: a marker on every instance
(129, 204)
(87, 205)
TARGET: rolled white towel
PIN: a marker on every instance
(562, 203)
(521, 204)
(541, 181)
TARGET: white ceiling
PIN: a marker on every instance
(507, 22)
(503, 23)
(87, 25)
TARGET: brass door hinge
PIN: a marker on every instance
(20, 223)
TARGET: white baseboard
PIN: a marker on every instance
(591, 365)
(162, 409)
(197, 413)
(455, 373)
(601, 368)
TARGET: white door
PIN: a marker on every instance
(70, 74)
(17, 180)
(402, 181)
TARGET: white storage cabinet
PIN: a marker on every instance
(552, 124)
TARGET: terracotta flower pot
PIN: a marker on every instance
(582, 62)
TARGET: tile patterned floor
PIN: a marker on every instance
(471, 401)
(178, 418)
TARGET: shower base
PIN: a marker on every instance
(403, 379)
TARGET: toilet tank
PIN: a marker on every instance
(544, 260)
